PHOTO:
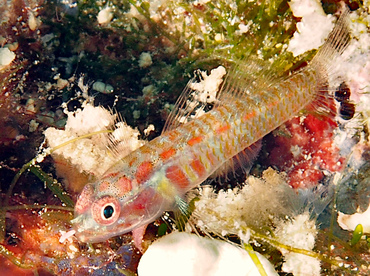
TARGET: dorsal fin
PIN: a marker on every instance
(200, 91)
(182, 109)
(247, 76)
(122, 138)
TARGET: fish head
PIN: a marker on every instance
(104, 210)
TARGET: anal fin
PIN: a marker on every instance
(243, 160)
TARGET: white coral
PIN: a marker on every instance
(91, 154)
(299, 232)
(233, 211)
(308, 36)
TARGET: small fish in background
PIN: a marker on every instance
(154, 178)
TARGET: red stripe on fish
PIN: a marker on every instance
(143, 171)
(250, 115)
(211, 157)
(104, 186)
(271, 105)
(173, 135)
(177, 177)
(223, 129)
(195, 140)
(198, 167)
(167, 154)
(124, 185)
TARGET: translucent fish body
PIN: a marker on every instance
(151, 179)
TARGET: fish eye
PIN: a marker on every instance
(106, 210)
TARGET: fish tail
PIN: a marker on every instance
(337, 41)
(324, 64)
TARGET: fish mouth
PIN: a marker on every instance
(90, 237)
(91, 234)
(96, 236)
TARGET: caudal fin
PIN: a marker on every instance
(334, 46)
(325, 62)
